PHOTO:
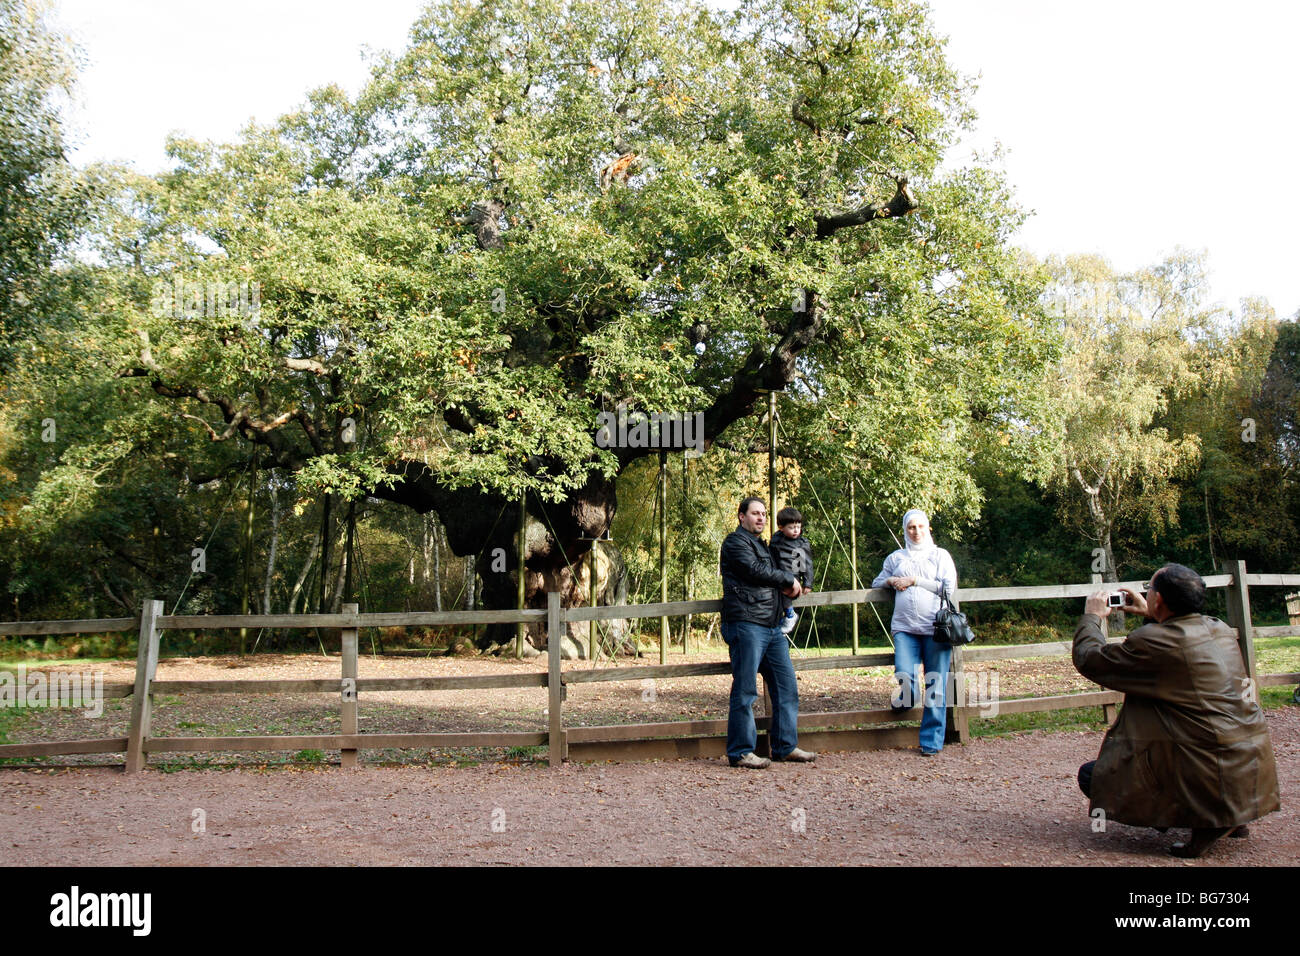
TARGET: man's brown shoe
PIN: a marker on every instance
(797, 756)
(751, 761)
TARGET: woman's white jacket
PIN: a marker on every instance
(916, 607)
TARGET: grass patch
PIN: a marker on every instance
(1277, 655)
(309, 756)
(1091, 718)
(178, 764)
(883, 671)
(1275, 698)
(39, 662)
(840, 650)
(11, 719)
(527, 753)
(1055, 721)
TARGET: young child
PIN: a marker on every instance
(792, 552)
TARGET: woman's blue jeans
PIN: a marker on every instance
(760, 650)
(913, 653)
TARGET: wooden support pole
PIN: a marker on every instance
(1239, 615)
(554, 679)
(521, 555)
(771, 461)
(325, 527)
(348, 724)
(686, 561)
(663, 553)
(593, 645)
(248, 550)
(146, 666)
(853, 549)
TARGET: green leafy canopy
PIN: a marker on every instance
(542, 209)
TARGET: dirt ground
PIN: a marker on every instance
(997, 800)
(1009, 800)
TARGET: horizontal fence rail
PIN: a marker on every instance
(601, 613)
(50, 628)
(860, 729)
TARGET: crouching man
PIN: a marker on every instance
(1190, 747)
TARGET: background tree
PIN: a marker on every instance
(1133, 345)
(41, 197)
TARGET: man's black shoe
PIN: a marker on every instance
(1202, 839)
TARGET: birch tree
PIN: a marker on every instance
(1132, 345)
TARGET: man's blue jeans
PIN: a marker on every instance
(760, 650)
(912, 653)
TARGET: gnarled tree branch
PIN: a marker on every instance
(904, 202)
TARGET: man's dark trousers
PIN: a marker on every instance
(756, 649)
(1085, 777)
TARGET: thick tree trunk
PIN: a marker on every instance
(485, 525)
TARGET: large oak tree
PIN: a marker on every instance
(541, 210)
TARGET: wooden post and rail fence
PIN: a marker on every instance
(839, 730)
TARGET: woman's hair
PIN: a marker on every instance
(788, 515)
(1181, 587)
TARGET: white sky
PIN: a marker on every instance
(1131, 127)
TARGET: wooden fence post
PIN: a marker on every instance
(1098, 580)
(554, 684)
(958, 729)
(663, 554)
(1239, 615)
(1109, 712)
(957, 717)
(146, 665)
(348, 724)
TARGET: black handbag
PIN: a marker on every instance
(950, 625)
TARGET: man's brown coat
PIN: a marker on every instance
(1190, 747)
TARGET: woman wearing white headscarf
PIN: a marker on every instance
(919, 572)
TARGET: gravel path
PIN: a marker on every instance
(997, 800)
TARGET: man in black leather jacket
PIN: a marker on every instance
(751, 613)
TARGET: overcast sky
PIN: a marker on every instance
(1130, 127)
